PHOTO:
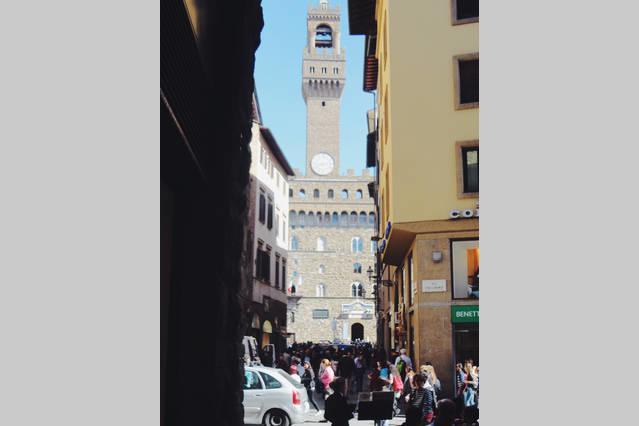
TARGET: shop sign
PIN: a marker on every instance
(465, 314)
(433, 286)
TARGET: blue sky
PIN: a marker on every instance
(278, 79)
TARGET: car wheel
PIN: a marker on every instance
(276, 418)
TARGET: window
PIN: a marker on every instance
(467, 169)
(323, 36)
(359, 194)
(283, 273)
(263, 263)
(357, 245)
(269, 381)
(277, 271)
(344, 194)
(323, 72)
(302, 193)
(357, 290)
(466, 81)
(251, 381)
(290, 193)
(320, 313)
(464, 11)
(321, 244)
(321, 269)
(301, 219)
(371, 219)
(292, 218)
(343, 219)
(330, 193)
(262, 212)
(262, 156)
(373, 247)
(327, 218)
(357, 268)
(353, 219)
(292, 317)
(316, 193)
(465, 259)
(310, 219)
(312, 69)
(335, 70)
(363, 218)
(269, 221)
(284, 229)
(334, 219)
(294, 243)
(320, 290)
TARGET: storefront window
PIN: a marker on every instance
(465, 269)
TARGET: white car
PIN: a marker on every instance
(272, 397)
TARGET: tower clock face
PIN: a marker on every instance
(322, 163)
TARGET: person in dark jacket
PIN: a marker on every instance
(422, 398)
(338, 411)
(345, 369)
(308, 380)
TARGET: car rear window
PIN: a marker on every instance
(290, 379)
(270, 381)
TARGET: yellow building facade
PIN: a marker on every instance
(422, 60)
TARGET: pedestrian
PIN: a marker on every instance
(346, 366)
(422, 397)
(359, 372)
(338, 411)
(397, 386)
(327, 375)
(445, 413)
(308, 380)
(403, 361)
(293, 372)
(434, 381)
(470, 380)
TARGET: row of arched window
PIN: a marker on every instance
(343, 219)
(357, 246)
(344, 194)
(357, 290)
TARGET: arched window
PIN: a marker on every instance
(321, 269)
(344, 194)
(343, 219)
(358, 194)
(357, 268)
(294, 244)
(292, 218)
(357, 290)
(363, 218)
(301, 218)
(353, 219)
(290, 193)
(302, 193)
(357, 245)
(321, 244)
(320, 290)
(327, 218)
(323, 36)
(331, 194)
(319, 218)
(311, 219)
(316, 193)
(335, 219)
(371, 219)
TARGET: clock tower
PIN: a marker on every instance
(323, 78)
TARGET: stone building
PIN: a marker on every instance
(268, 219)
(332, 216)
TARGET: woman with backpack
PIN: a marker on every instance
(422, 398)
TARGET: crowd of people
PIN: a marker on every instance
(331, 373)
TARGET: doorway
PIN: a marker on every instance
(357, 331)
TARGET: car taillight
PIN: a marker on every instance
(297, 400)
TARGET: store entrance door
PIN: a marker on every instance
(466, 342)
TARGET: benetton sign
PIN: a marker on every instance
(464, 313)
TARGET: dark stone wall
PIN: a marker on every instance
(205, 101)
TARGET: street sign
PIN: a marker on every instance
(464, 314)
